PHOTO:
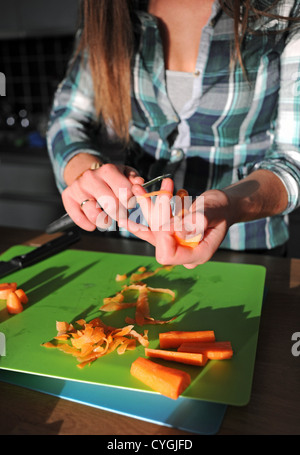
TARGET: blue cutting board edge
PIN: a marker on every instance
(197, 416)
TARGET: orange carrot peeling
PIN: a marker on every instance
(155, 193)
(174, 339)
(217, 350)
(189, 358)
(165, 380)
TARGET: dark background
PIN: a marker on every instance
(36, 41)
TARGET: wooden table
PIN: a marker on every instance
(274, 407)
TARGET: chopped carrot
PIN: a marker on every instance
(165, 380)
(22, 296)
(6, 289)
(216, 350)
(13, 303)
(175, 356)
(174, 339)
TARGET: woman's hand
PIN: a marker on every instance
(99, 196)
(259, 195)
(208, 216)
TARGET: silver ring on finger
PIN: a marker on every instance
(85, 201)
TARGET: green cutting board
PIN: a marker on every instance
(223, 297)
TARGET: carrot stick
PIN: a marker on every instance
(174, 339)
(216, 350)
(13, 304)
(175, 356)
(165, 380)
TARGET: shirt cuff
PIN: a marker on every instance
(288, 181)
(59, 168)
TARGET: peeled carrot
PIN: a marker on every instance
(174, 339)
(191, 242)
(13, 303)
(175, 356)
(22, 296)
(216, 350)
(6, 289)
(165, 380)
(180, 211)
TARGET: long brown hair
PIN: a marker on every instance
(108, 36)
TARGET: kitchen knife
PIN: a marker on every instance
(38, 254)
(65, 222)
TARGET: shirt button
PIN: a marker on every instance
(176, 155)
(197, 72)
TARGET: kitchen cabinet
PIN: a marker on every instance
(21, 18)
(28, 195)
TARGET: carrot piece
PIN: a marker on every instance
(191, 242)
(22, 296)
(14, 304)
(174, 339)
(216, 350)
(165, 380)
(6, 289)
(190, 358)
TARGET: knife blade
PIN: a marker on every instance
(39, 254)
(65, 222)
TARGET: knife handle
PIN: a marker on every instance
(62, 224)
(47, 249)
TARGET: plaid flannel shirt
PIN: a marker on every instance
(231, 126)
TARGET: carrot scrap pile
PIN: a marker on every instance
(142, 313)
(92, 340)
(15, 297)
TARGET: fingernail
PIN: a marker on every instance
(131, 203)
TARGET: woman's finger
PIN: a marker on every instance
(139, 230)
(76, 213)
